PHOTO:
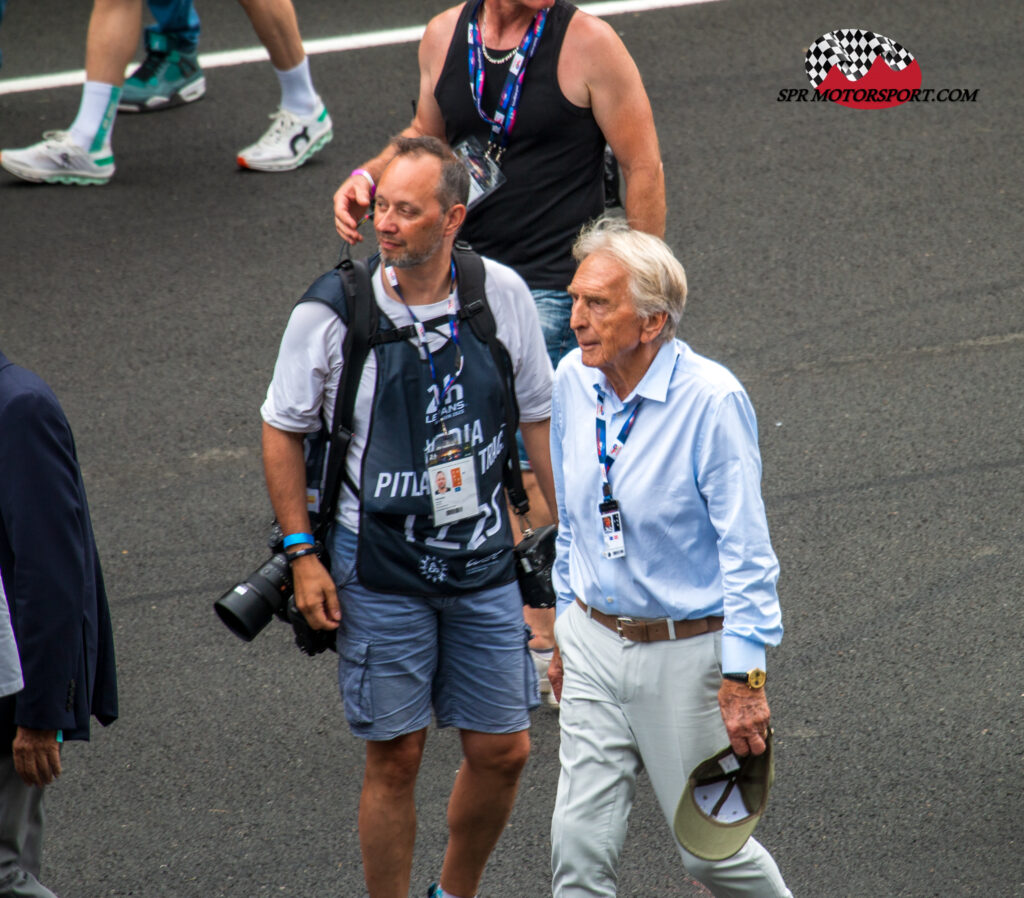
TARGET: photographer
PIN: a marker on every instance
(421, 588)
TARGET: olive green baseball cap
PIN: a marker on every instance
(723, 801)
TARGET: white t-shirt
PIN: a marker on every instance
(10, 662)
(309, 365)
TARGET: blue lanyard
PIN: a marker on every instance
(606, 460)
(511, 93)
(421, 333)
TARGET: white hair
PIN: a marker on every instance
(657, 280)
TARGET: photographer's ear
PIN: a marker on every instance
(453, 219)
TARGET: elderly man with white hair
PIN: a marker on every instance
(665, 572)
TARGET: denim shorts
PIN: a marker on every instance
(465, 657)
(554, 308)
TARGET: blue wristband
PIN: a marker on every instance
(292, 538)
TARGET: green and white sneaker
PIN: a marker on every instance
(59, 160)
(166, 78)
(289, 141)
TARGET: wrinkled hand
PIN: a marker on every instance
(36, 756)
(351, 203)
(556, 674)
(746, 715)
(316, 596)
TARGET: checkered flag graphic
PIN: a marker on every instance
(853, 50)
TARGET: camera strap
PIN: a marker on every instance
(470, 269)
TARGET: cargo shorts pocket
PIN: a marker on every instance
(355, 682)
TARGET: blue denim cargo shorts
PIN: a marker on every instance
(465, 658)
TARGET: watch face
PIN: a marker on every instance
(756, 678)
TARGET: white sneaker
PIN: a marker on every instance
(290, 140)
(57, 159)
(541, 660)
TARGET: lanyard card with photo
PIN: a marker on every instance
(451, 475)
(611, 529)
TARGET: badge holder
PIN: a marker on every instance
(451, 475)
(611, 529)
(485, 175)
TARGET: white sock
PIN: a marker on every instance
(94, 123)
(445, 894)
(297, 93)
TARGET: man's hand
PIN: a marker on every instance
(556, 674)
(746, 715)
(36, 756)
(351, 203)
(316, 596)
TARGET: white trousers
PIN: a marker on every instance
(628, 706)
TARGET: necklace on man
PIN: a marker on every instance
(500, 60)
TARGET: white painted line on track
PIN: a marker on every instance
(339, 44)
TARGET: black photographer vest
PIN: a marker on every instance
(400, 549)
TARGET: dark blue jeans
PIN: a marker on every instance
(177, 19)
(554, 308)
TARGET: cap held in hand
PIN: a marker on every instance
(723, 802)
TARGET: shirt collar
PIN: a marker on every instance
(655, 382)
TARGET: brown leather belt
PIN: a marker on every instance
(651, 630)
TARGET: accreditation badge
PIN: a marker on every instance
(451, 476)
(611, 529)
(485, 174)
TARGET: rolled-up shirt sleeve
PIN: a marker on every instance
(729, 479)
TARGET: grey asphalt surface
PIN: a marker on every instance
(860, 271)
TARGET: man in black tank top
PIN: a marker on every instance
(580, 88)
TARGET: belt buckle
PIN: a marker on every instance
(619, 621)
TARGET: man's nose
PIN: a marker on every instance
(576, 316)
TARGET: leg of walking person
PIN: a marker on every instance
(674, 737)
(479, 807)
(301, 126)
(599, 759)
(21, 834)
(83, 154)
(387, 813)
(170, 74)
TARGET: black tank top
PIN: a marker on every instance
(553, 165)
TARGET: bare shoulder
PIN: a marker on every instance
(438, 33)
(593, 38)
(593, 58)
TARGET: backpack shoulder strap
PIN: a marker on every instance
(472, 278)
(347, 290)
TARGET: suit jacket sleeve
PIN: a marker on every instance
(46, 524)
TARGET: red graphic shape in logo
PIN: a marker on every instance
(862, 70)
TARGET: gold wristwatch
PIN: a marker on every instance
(754, 678)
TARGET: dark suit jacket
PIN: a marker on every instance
(50, 568)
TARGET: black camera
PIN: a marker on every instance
(535, 555)
(248, 607)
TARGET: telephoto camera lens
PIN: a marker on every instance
(248, 607)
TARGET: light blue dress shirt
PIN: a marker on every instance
(688, 484)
